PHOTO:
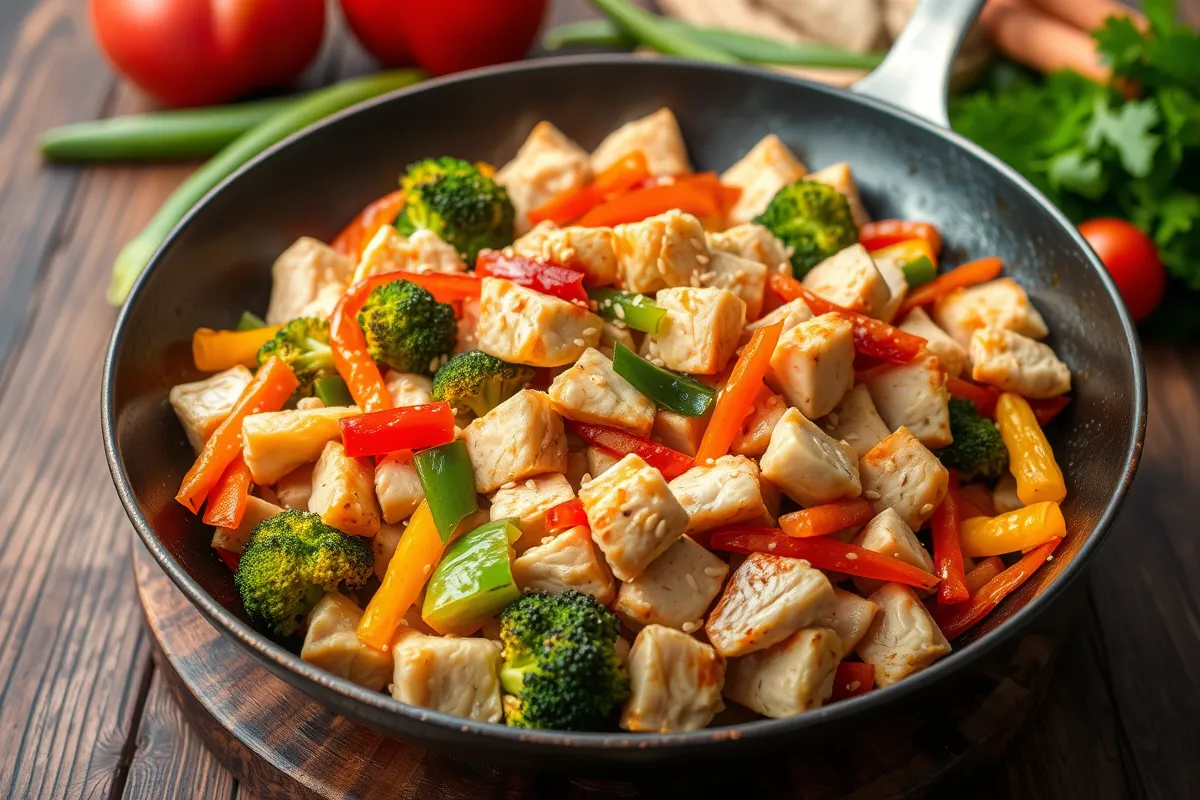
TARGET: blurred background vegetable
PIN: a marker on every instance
(453, 35)
(378, 26)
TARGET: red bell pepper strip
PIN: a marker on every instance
(957, 619)
(446, 287)
(671, 463)
(984, 397)
(872, 337)
(851, 679)
(616, 179)
(981, 271)
(227, 500)
(947, 552)
(823, 552)
(353, 361)
(1047, 409)
(406, 428)
(825, 519)
(737, 400)
(566, 515)
(701, 196)
(229, 558)
(270, 388)
(984, 571)
(354, 237)
(551, 279)
(886, 232)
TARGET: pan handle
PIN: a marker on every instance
(915, 75)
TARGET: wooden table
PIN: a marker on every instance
(82, 710)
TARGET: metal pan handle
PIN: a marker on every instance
(915, 75)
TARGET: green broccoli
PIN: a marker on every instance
(978, 452)
(561, 668)
(407, 329)
(811, 218)
(291, 560)
(304, 344)
(455, 200)
(479, 382)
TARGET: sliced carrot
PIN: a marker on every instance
(957, 619)
(984, 397)
(700, 195)
(353, 361)
(947, 551)
(616, 179)
(826, 519)
(418, 552)
(981, 271)
(737, 399)
(227, 500)
(354, 237)
(213, 351)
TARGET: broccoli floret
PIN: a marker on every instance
(304, 344)
(459, 203)
(978, 452)
(478, 381)
(407, 329)
(289, 563)
(561, 668)
(811, 218)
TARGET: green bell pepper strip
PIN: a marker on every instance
(449, 483)
(473, 581)
(332, 391)
(635, 310)
(669, 389)
(250, 322)
(918, 271)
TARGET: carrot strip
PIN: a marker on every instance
(825, 519)
(354, 237)
(227, 500)
(887, 232)
(418, 552)
(981, 271)
(353, 361)
(1030, 456)
(984, 571)
(213, 351)
(700, 195)
(574, 203)
(984, 397)
(947, 552)
(957, 619)
(737, 399)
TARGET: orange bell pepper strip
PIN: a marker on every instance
(417, 553)
(227, 501)
(270, 389)
(981, 271)
(886, 232)
(353, 361)
(825, 519)
(354, 237)
(740, 393)
(851, 679)
(213, 351)
(984, 571)
(984, 397)
(574, 203)
(699, 195)
(955, 620)
(1030, 457)
(1013, 531)
(947, 551)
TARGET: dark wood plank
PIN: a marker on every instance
(12, 13)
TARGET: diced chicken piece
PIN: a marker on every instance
(591, 391)
(1001, 303)
(332, 644)
(656, 136)
(754, 436)
(397, 487)
(767, 600)
(343, 492)
(902, 474)
(951, 354)
(406, 389)
(423, 251)
(809, 465)
(468, 327)
(700, 330)
(1004, 496)
(633, 515)
(789, 678)
(323, 304)
(767, 168)
(745, 278)
(850, 279)
(790, 314)
(889, 535)
(577, 468)
(720, 493)
(294, 489)
(903, 638)
(841, 178)
(203, 405)
(276, 442)
(234, 539)
(754, 242)
(587, 250)
(675, 590)
(613, 334)
(547, 164)
(568, 561)
(675, 682)
(914, 396)
(599, 461)
(527, 502)
(660, 252)
(456, 676)
(384, 543)
(850, 618)
(897, 283)
(1016, 363)
(522, 326)
(856, 422)
(813, 364)
(520, 438)
(299, 275)
(679, 432)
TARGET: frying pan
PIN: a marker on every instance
(891, 127)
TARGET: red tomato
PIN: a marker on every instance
(379, 27)
(1131, 259)
(203, 52)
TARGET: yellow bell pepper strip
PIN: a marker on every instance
(1029, 454)
(473, 581)
(270, 389)
(955, 620)
(227, 501)
(969, 274)
(418, 552)
(213, 351)
(738, 396)
(984, 571)
(1013, 531)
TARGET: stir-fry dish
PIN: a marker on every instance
(596, 440)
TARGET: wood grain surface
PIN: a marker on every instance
(83, 712)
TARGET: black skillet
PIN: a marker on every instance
(891, 127)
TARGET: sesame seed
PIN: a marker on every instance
(871, 494)
(712, 572)
(702, 259)
(580, 343)
(530, 485)
(690, 626)
(588, 331)
(619, 310)
(691, 581)
(587, 478)
(771, 546)
(853, 685)
(852, 556)
(425, 570)
(926, 509)
(509, 485)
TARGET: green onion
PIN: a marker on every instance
(161, 135)
(332, 391)
(474, 579)
(635, 310)
(449, 483)
(250, 322)
(918, 271)
(648, 29)
(134, 257)
(669, 389)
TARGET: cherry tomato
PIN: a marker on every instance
(204, 52)
(1131, 259)
(379, 27)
